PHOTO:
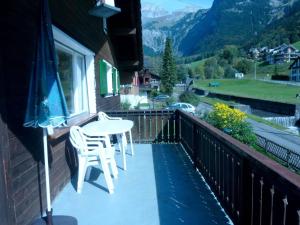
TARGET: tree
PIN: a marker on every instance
(212, 69)
(229, 72)
(191, 72)
(243, 66)
(230, 52)
(181, 73)
(199, 70)
(168, 73)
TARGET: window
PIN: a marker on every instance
(109, 79)
(71, 70)
(76, 72)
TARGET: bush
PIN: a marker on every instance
(125, 105)
(154, 93)
(232, 121)
(189, 97)
(170, 100)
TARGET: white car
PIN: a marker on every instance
(184, 106)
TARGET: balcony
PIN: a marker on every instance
(162, 186)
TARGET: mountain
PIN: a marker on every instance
(227, 22)
(233, 22)
(159, 24)
(283, 30)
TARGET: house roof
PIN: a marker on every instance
(125, 30)
(74, 20)
(149, 73)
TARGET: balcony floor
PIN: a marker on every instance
(160, 186)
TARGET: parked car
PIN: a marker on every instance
(184, 106)
(161, 97)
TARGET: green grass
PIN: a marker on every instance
(297, 45)
(253, 89)
(265, 71)
(198, 63)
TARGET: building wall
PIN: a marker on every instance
(21, 148)
(295, 71)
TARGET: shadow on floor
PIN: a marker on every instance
(182, 195)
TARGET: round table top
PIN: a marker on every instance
(106, 127)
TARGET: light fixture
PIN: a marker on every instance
(104, 9)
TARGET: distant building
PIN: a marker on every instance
(239, 75)
(149, 80)
(295, 70)
(258, 53)
(282, 54)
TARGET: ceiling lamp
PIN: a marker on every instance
(104, 9)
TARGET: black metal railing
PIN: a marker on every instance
(253, 189)
(286, 156)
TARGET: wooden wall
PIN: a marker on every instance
(5, 207)
(21, 160)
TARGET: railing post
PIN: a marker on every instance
(178, 126)
(194, 147)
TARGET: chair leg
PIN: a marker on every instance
(81, 173)
(113, 166)
(106, 172)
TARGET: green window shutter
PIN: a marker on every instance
(103, 78)
(118, 81)
(114, 81)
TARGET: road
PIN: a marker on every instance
(283, 138)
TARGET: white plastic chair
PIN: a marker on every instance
(90, 152)
(121, 138)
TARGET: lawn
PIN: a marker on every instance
(297, 45)
(253, 89)
(198, 63)
(265, 71)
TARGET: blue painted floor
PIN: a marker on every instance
(160, 187)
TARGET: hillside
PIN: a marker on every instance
(233, 22)
(284, 30)
(175, 25)
(297, 45)
(227, 22)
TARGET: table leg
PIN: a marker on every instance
(131, 145)
(123, 150)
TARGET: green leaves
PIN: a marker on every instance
(168, 73)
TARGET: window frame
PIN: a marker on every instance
(66, 43)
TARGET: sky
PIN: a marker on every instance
(171, 5)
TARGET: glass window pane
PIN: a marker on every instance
(80, 84)
(65, 70)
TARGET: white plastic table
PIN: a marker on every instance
(110, 127)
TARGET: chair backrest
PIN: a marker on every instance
(77, 139)
(102, 116)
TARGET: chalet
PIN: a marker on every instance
(147, 79)
(282, 54)
(295, 70)
(97, 52)
(84, 39)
